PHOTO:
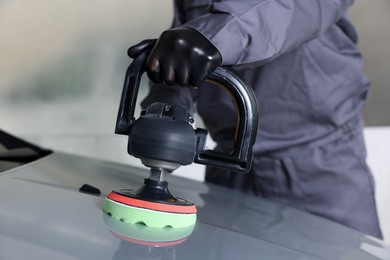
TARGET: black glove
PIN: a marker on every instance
(181, 56)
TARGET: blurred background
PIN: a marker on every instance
(63, 63)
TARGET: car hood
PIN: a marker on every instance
(44, 215)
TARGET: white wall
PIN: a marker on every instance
(378, 146)
(372, 20)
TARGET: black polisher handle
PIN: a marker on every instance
(240, 159)
(129, 94)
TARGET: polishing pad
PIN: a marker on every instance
(147, 236)
(149, 213)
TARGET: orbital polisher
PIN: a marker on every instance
(163, 138)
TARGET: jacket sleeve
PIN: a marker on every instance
(247, 31)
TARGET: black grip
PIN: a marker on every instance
(129, 94)
(240, 158)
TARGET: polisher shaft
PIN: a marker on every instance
(157, 174)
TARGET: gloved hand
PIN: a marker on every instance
(181, 56)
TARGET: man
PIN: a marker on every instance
(301, 59)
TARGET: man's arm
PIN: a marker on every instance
(246, 31)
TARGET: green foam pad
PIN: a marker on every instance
(150, 218)
(144, 233)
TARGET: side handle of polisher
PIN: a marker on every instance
(240, 159)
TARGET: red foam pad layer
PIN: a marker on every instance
(152, 205)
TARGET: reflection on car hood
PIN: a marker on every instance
(44, 216)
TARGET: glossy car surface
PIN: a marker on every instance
(44, 215)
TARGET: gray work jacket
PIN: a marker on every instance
(300, 57)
